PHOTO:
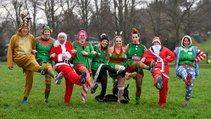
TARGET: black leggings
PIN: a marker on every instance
(102, 78)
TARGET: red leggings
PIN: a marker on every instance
(71, 78)
(164, 90)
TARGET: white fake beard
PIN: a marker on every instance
(156, 48)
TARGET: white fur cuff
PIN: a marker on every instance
(68, 55)
(60, 57)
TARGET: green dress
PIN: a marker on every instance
(134, 51)
(117, 59)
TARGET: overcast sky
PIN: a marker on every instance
(40, 15)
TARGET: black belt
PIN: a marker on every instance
(65, 61)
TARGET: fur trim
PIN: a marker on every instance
(62, 34)
(186, 36)
(57, 43)
(156, 38)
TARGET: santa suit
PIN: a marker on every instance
(71, 77)
(162, 56)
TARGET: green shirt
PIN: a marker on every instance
(43, 49)
(98, 59)
(134, 50)
(80, 58)
(187, 57)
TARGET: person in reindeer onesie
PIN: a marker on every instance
(62, 52)
(162, 56)
(21, 51)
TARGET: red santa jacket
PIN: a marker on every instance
(162, 59)
(62, 49)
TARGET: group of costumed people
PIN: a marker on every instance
(80, 62)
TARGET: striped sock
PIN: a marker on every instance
(138, 90)
(84, 92)
(136, 65)
(47, 86)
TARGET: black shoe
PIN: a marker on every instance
(121, 72)
(83, 77)
(58, 78)
(124, 101)
(99, 99)
(94, 87)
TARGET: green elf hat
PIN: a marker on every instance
(46, 28)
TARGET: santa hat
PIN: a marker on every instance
(62, 34)
(103, 36)
(57, 43)
(82, 32)
(156, 38)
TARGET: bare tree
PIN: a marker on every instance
(188, 19)
(102, 18)
(50, 8)
(17, 6)
(203, 16)
(118, 14)
(70, 22)
(34, 5)
(180, 14)
(84, 10)
(155, 10)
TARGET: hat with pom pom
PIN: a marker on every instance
(156, 38)
(103, 36)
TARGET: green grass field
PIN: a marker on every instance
(205, 46)
(11, 94)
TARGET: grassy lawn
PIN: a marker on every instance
(11, 94)
(205, 46)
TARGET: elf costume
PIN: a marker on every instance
(117, 61)
(43, 46)
(83, 62)
(187, 66)
(135, 50)
(162, 56)
(100, 67)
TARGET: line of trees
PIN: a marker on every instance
(169, 19)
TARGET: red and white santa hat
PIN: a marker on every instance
(57, 43)
(156, 38)
(62, 34)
